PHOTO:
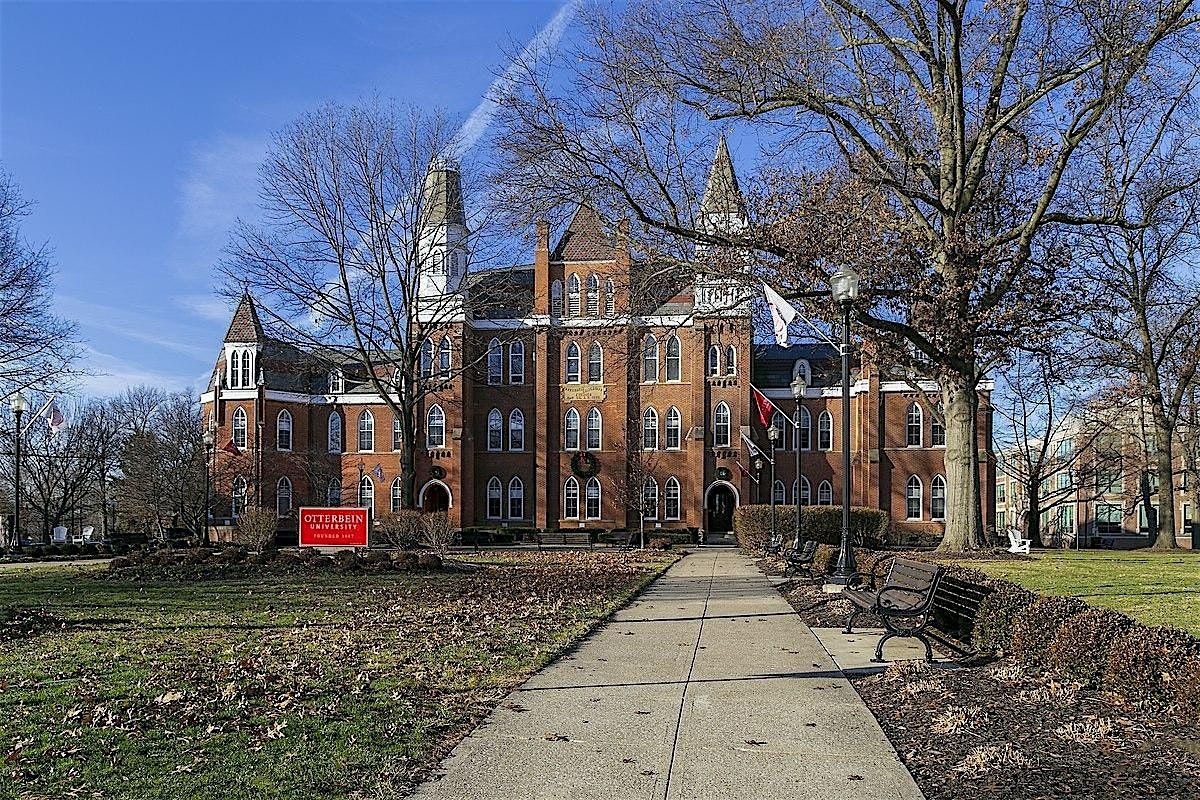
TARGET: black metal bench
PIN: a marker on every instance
(904, 603)
(774, 545)
(801, 561)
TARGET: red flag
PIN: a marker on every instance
(231, 448)
(765, 406)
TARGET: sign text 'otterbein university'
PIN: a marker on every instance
(333, 527)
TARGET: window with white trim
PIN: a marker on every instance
(713, 368)
(572, 363)
(730, 360)
(825, 431)
(283, 497)
(674, 365)
(397, 434)
(571, 498)
(671, 498)
(445, 360)
(804, 430)
(335, 432)
(650, 498)
(366, 431)
(721, 425)
(937, 430)
(495, 435)
(495, 499)
(427, 358)
(592, 498)
(247, 380)
(674, 428)
(495, 363)
(366, 494)
(336, 381)
(649, 429)
(397, 496)
(781, 424)
(593, 295)
(805, 492)
(650, 359)
(571, 430)
(610, 299)
(516, 363)
(235, 363)
(435, 427)
(595, 363)
(516, 430)
(937, 498)
(825, 494)
(779, 494)
(913, 425)
(239, 428)
(516, 498)
(573, 296)
(594, 423)
(914, 498)
(283, 431)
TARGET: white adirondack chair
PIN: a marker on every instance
(1016, 544)
(89, 535)
(60, 535)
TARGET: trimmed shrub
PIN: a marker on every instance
(1144, 662)
(996, 615)
(1185, 690)
(1035, 627)
(1080, 648)
(823, 524)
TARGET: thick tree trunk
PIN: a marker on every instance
(962, 483)
(1165, 468)
(1033, 517)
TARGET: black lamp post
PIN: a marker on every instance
(758, 468)
(773, 436)
(19, 406)
(798, 387)
(845, 291)
(209, 441)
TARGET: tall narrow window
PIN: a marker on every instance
(571, 498)
(573, 296)
(781, 424)
(571, 430)
(366, 431)
(336, 381)
(593, 429)
(335, 432)
(246, 372)
(235, 376)
(937, 498)
(674, 428)
(516, 363)
(671, 498)
(427, 358)
(650, 359)
(805, 429)
(650, 498)
(825, 431)
(572, 363)
(238, 497)
(805, 492)
(937, 430)
(914, 498)
(283, 497)
(397, 434)
(283, 431)
(444, 357)
(721, 425)
(649, 429)
(333, 492)
(435, 427)
(593, 295)
(713, 368)
(397, 496)
(824, 494)
(730, 360)
(595, 363)
(592, 498)
(495, 435)
(495, 502)
(366, 494)
(779, 493)
(556, 298)
(495, 363)
(516, 430)
(516, 499)
(239, 428)
(914, 422)
(610, 299)
(674, 369)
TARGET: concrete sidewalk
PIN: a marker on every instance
(708, 686)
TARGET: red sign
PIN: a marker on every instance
(333, 527)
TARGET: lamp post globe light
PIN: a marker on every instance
(758, 468)
(209, 441)
(845, 284)
(799, 385)
(773, 436)
(19, 406)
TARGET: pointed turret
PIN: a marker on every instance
(585, 239)
(443, 244)
(443, 194)
(722, 212)
(245, 325)
(723, 207)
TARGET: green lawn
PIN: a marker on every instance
(315, 686)
(1154, 588)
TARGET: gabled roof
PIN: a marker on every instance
(722, 195)
(245, 325)
(586, 238)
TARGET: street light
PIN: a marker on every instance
(19, 406)
(798, 387)
(844, 284)
(209, 441)
(758, 468)
(773, 435)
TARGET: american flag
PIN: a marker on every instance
(55, 418)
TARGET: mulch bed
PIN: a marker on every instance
(212, 564)
(22, 623)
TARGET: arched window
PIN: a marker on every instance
(674, 428)
(495, 435)
(595, 363)
(593, 429)
(805, 492)
(671, 498)
(427, 358)
(782, 425)
(435, 427)
(283, 497)
(366, 431)
(366, 494)
(802, 369)
(937, 498)
(805, 429)
(516, 363)
(516, 498)
(235, 361)
(593, 295)
(336, 381)
(713, 368)
(913, 498)
(335, 432)
(650, 498)
(721, 425)
(283, 431)
(495, 362)
(650, 359)
(780, 494)
(495, 501)
(247, 381)
(573, 296)
(571, 498)
(824, 494)
(444, 357)
(516, 430)
(914, 422)
(571, 430)
(674, 369)
(397, 496)
(572, 363)
(238, 497)
(239, 428)
(649, 429)
(397, 434)
(937, 431)
(556, 298)
(333, 492)
(592, 498)
(610, 299)
(730, 360)
(825, 431)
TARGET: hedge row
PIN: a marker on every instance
(822, 524)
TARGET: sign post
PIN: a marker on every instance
(333, 527)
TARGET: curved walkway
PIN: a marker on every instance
(707, 686)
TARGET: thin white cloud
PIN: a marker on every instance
(220, 185)
(129, 323)
(112, 375)
(545, 41)
(207, 306)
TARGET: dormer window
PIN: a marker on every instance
(337, 381)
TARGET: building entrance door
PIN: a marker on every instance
(436, 498)
(721, 503)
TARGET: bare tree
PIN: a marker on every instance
(925, 145)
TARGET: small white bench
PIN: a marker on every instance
(1016, 544)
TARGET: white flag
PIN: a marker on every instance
(753, 448)
(781, 312)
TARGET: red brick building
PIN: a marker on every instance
(596, 373)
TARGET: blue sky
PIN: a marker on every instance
(138, 127)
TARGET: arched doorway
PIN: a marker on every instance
(435, 496)
(720, 502)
